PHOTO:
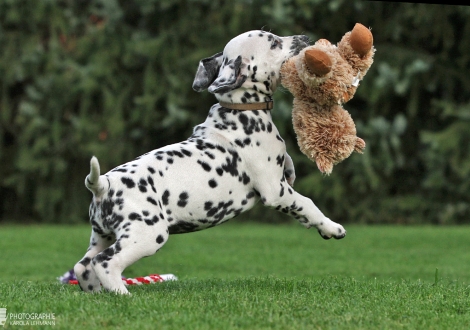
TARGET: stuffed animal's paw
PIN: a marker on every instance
(360, 145)
(324, 164)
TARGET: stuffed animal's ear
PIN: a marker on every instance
(230, 77)
(207, 71)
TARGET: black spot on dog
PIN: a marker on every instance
(165, 196)
(86, 274)
(267, 84)
(143, 185)
(280, 160)
(212, 183)
(105, 255)
(135, 216)
(107, 208)
(183, 199)
(151, 200)
(245, 178)
(160, 239)
(128, 182)
(243, 119)
(182, 227)
(151, 222)
(239, 143)
(151, 170)
(207, 206)
(219, 211)
(231, 165)
(269, 127)
(85, 261)
(186, 152)
(204, 165)
(210, 155)
(151, 183)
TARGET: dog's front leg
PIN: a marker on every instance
(85, 274)
(283, 198)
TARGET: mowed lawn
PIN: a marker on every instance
(252, 276)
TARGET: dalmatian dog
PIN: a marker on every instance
(232, 160)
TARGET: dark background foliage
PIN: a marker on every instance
(112, 78)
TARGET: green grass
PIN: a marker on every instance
(252, 276)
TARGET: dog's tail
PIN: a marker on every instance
(94, 182)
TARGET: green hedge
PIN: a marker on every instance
(113, 79)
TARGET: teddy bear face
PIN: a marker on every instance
(328, 74)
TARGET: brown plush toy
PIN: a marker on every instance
(322, 77)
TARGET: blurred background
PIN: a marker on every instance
(112, 78)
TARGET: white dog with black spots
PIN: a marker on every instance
(232, 160)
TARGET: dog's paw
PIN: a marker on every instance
(86, 276)
(329, 229)
(120, 291)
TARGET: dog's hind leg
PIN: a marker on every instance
(110, 263)
(85, 274)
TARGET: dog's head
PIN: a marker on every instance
(247, 70)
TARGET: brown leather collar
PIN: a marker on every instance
(248, 106)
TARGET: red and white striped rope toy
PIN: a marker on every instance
(155, 278)
(150, 279)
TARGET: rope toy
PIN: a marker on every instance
(69, 278)
(154, 278)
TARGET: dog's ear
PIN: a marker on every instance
(230, 77)
(207, 72)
